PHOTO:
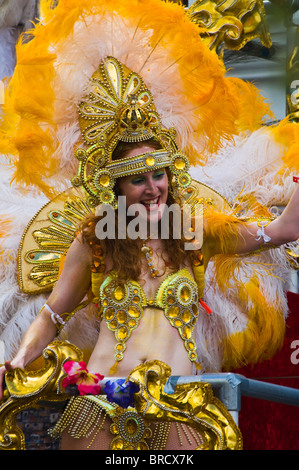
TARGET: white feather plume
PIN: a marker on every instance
(17, 207)
(249, 165)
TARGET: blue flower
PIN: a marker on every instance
(120, 392)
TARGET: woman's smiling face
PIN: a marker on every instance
(149, 189)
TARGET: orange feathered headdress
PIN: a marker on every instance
(154, 38)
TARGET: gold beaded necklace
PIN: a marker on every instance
(147, 252)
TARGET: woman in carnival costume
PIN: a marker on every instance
(144, 104)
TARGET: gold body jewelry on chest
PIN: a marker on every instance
(180, 301)
(147, 252)
(122, 306)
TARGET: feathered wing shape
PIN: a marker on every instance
(247, 296)
(218, 122)
(27, 218)
(17, 309)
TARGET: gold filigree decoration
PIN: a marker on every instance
(230, 24)
(25, 389)
(51, 231)
(120, 108)
(193, 404)
(130, 430)
(200, 194)
(47, 237)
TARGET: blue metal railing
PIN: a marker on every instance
(230, 388)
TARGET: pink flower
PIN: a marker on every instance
(78, 374)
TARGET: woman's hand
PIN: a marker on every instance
(241, 237)
(16, 363)
(287, 225)
(284, 229)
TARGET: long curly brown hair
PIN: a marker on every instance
(125, 253)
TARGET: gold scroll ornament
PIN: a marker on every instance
(193, 404)
(230, 24)
(27, 388)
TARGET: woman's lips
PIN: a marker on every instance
(151, 204)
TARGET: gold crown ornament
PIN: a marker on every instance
(120, 108)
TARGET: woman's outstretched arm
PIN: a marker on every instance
(227, 234)
(70, 289)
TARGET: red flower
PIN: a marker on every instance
(87, 382)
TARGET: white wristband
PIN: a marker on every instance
(261, 234)
(54, 316)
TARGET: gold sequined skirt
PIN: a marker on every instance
(188, 416)
(93, 419)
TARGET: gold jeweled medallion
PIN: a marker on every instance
(130, 431)
(122, 307)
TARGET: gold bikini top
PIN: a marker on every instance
(121, 305)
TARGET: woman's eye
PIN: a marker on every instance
(158, 175)
(137, 181)
(141, 179)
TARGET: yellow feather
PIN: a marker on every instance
(264, 333)
(286, 133)
(253, 109)
(221, 107)
(220, 230)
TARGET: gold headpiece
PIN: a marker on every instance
(120, 108)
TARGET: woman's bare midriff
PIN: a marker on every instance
(153, 339)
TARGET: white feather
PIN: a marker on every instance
(250, 165)
(17, 310)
